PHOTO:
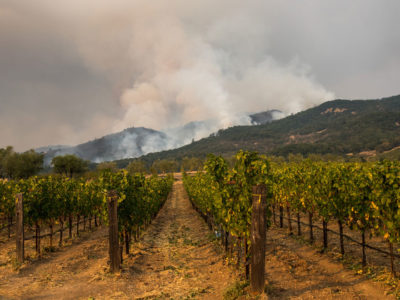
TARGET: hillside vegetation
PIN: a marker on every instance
(342, 127)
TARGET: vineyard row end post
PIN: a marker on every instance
(258, 237)
(115, 260)
(19, 234)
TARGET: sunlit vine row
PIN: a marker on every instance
(55, 200)
(364, 196)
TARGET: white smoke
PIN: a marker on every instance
(193, 60)
(189, 79)
(175, 62)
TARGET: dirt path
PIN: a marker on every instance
(297, 271)
(176, 258)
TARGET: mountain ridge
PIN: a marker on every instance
(342, 127)
(137, 141)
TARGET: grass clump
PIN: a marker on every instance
(236, 290)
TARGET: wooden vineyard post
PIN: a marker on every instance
(325, 234)
(298, 224)
(341, 237)
(364, 256)
(310, 221)
(19, 236)
(114, 252)
(258, 236)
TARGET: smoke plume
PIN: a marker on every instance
(170, 63)
(176, 62)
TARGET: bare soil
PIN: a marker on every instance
(379, 261)
(295, 270)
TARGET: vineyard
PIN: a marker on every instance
(363, 196)
(238, 203)
(62, 202)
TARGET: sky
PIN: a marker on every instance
(72, 71)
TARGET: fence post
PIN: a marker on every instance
(114, 252)
(258, 236)
(19, 236)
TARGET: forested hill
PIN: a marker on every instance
(344, 127)
(131, 142)
(138, 141)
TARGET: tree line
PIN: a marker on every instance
(14, 165)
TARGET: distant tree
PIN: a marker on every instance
(276, 159)
(19, 165)
(185, 164)
(30, 164)
(4, 156)
(69, 165)
(315, 157)
(295, 157)
(332, 157)
(165, 166)
(153, 170)
(197, 164)
(192, 163)
(136, 166)
(110, 166)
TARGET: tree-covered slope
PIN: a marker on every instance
(339, 127)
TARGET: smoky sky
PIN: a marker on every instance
(71, 71)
